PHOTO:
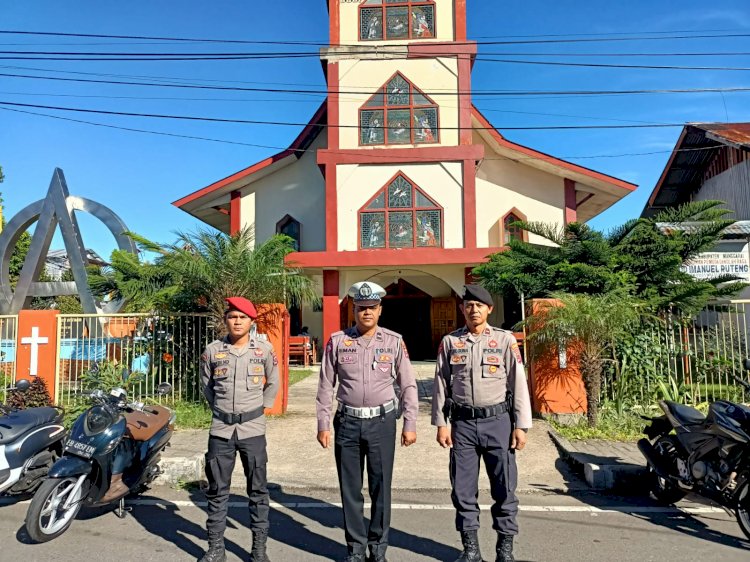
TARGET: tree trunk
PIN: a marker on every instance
(591, 372)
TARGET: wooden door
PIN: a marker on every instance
(443, 318)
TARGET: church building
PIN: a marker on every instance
(398, 178)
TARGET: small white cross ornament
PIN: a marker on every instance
(34, 342)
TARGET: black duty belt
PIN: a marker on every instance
(232, 419)
(463, 412)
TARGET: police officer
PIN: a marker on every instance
(480, 388)
(240, 377)
(365, 361)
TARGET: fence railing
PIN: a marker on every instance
(690, 360)
(148, 349)
(8, 342)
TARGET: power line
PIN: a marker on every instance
(340, 126)
(435, 93)
(546, 39)
(374, 153)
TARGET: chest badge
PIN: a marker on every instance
(220, 356)
(493, 369)
(256, 380)
(459, 345)
(259, 353)
(458, 359)
(384, 358)
(348, 343)
(492, 359)
(493, 343)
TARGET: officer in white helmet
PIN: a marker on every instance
(361, 364)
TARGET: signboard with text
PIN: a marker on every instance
(714, 264)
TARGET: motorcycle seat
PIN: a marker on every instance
(686, 415)
(17, 423)
(142, 426)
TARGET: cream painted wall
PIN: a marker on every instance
(349, 17)
(297, 190)
(358, 183)
(503, 184)
(429, 75)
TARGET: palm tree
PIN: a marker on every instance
(589, 324)
(200, 270)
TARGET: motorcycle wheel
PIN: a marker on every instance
(743, 508)
(661, 489)
(47, 518)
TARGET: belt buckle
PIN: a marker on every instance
(236, 418)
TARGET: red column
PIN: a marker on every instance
(331, 309)
(37, 347)
(470, 204)
(571, 214)
(235, 213)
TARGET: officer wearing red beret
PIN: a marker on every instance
(240, 378)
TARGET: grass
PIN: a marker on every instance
(297, 375)
(612, 426)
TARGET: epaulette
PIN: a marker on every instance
(459, 332)
(391, 332)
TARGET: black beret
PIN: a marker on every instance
(477, 293)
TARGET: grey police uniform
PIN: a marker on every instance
(480, 387)
(365, 424)
(238, 384)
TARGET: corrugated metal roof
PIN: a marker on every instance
(739, 229)
(733, 133)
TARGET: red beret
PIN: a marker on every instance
(243, 305)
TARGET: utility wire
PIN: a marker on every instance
(374, 153)
(339, 126)
(475, 93)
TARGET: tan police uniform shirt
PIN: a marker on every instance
(239, 380)
(478, 371)
(365, 373)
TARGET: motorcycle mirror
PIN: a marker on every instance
(23, 385)
(746, 364)
(164, 388)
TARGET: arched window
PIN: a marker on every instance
(399, 113)
(396, 19)
(291, 228)
(400, 216)
(512, 231)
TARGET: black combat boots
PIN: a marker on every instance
(504, 548)
(215, 552)
(258, 553)
(471, 552)
(377, 554)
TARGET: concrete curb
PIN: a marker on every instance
(177, 470)
(623, 477)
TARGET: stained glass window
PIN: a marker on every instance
(291, 228)
(401, 215)
(511, 231)
(398, 113)
(396, 19)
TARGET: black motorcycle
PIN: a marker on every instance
(688, 452)
(113, 450)
(30, 442)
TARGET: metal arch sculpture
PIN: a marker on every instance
(57, 209)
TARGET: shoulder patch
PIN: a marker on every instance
(275, 358)
(516, 352)
(403, 348)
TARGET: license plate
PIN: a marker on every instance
(80, 449)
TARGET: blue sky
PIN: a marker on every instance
(139, 175)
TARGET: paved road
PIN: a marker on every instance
(168, 526)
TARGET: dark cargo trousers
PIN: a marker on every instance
(374, 441)
(220, 460)
(488, 439)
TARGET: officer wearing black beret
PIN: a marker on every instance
(480, 389)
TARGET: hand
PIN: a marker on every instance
(444, 437)
(408, 438)
(324, 438)
(518, 441)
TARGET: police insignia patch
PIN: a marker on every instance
(384, 358)
(516, 352)
(258, 353)
(493, 343)
(459, 345)
(275, 359)
(256, 380)
(220, 356)
(493, 369)
(258, 369)
(492, 359)
(348, 343)
(403, 348)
